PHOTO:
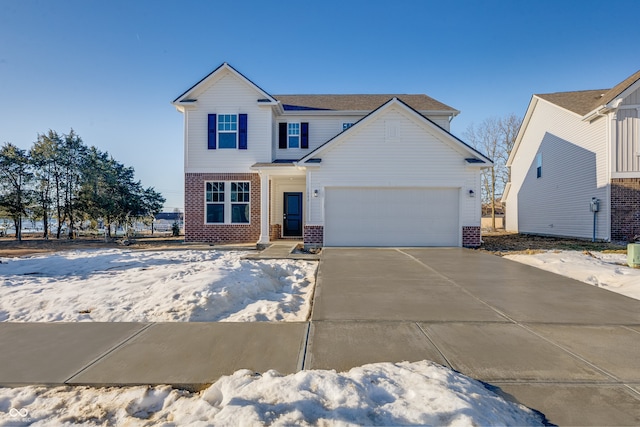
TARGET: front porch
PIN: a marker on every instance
(285, 204)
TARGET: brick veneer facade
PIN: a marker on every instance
(470, 236)
(195, 229)
(625, 208)
(313, 236)
(275, 232)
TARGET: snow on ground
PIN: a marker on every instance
(422, 393)
(606, 270)
(115, 285)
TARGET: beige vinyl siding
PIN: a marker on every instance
(627, 146)
(416, 158)
(574, 169)
(228, 95)
(280, 185)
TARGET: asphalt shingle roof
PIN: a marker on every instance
(358, 102)
(585, 101)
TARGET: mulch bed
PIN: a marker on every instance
(502, 243)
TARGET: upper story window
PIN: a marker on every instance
(227, 130)
(539, 165)
(293, 134)
(346, 126)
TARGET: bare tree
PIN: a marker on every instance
(495, 138)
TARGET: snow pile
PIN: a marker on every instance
(405, 393)
(117, 285)
(606, 270)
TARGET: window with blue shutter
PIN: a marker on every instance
(242, 131)
(212, 132)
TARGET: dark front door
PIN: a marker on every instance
(292, 218)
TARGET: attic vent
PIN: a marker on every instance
(474, 160)
(263, 100)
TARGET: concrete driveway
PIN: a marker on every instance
(565, 348)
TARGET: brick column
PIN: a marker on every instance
(471, 236)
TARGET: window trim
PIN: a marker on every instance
(294, 125)
(220, 132)
(228, 202)
(214, 190)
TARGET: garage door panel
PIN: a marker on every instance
(392, 217)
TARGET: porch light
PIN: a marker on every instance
(315, 193)
(472, 193)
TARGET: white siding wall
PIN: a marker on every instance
(416, 158)
(442, 121)
(574, 169)
(321, 129)
(228, 95)
(627, 141)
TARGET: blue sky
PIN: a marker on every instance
(109, 69)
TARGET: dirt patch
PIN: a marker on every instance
(9, 247)
(502, 243)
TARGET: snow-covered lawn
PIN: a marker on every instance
(115, 285)
(606, 270)
(421, 393)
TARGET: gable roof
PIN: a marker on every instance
(580, 102)
(184, 98)
(476, 156)
(359, 102)
(584, 102)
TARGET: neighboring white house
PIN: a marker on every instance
(335, 170)
(572, 148)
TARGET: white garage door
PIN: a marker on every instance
(392, 217)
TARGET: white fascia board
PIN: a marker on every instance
(611, 105)
(214, 75)
(505, 193)
(523, 127)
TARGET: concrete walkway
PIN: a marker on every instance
(567, 349)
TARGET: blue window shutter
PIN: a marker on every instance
(304, 134)
(242, 131)
(282, 135)
(212, 132)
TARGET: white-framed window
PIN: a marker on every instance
(539, 165)
(227, 202)
(214, 202)
(240, 196)
(346, 126)
(227, 130)
(293, 135)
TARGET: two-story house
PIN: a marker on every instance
(575, 165)
(334, 170)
